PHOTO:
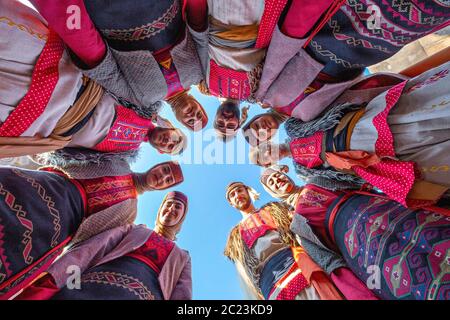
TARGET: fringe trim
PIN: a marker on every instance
(77, 157)
(296, 128)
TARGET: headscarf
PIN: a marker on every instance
(170, 232)
(252, 192)
(289, 198)
(179, 100)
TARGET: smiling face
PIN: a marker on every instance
(191, 114)
(172, 211)
(165, 139)
(239, 198)
(227, 117)
(264, 127)
(279, 183)
(160, 177)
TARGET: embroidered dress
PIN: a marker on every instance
(359, 34)
(396, 143)
(137, 34)
(41, 85)
(131, 277)
(122, 279)
(280, 277)
(407, 249)
(232, 55)
(39, 214)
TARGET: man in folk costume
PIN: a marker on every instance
(407, 250)
(232, 45)
(141, 50)
(46, 104)
(130, 262)
(267, 255)
(397, 143)
(42, 211)
(324, 46)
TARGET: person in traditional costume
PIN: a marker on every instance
(397, 143)
(130, 262)
(267, 256)
(46, 104)
(232, 47)
(323, 47)
(280, 186)
(141, 51)
(399, 253)
(43, 211)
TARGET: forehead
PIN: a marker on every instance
(238, 188)
(174, 201)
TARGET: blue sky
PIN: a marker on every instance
(210, 217)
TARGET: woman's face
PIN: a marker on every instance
(280, 183)
(165, 139)
(160, 177)
(264, 127)
(172, 212)
(192, 114)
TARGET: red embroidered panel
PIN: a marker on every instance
(127, 132)
(290, 288)
(105, 192)
(271, 14)
(228, 83)
(255, 226)
(43, 82)
(395, 178)
(306, 151)
(154, 252)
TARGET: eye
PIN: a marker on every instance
(191, 122)
(199, 115)
(169, 180)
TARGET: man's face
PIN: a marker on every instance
(264, 127)
(160, 177)
(240, 198)
(165, 139)
(227, 117)
(191, 115)
(172, 211)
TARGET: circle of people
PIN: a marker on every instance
(81, 87)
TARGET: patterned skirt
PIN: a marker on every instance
(124, 278)
(130, 25)
(39, 211)
(398, 252)
(363, 32)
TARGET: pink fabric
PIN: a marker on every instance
(394, 178)
(302, 16)
(127, 132)
(196, 14)
(86, 42)
(228, 83)
(313, 204)
(384, 146)
(43, 82)
(350, 286)
(43, 289)
(255, 226)
(306, 151)
(269, 20)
